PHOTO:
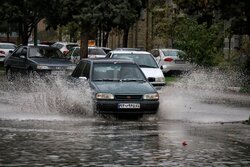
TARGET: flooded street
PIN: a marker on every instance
(45, 124)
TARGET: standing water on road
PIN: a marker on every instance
(51, 123)
(201, 96)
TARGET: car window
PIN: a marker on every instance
(59, 46)
(176, 53)
(69, 46)
(70, 53)
(45, 52)
(24, 52)
(116, 72)
(96, 51)
(4, 46)
(76, 52)
(82, 70)
(143, 60)
(17, 53)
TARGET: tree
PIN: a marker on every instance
(203, 10)
(24, 13)
(202, 45)
(128, 12)
(238, 13)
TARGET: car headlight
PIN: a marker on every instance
(151, 96)
(42, 67)
(104, 96)
(71, 67)
(160, 79)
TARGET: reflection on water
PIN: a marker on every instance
(121, 143)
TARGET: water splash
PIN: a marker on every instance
(203, 95)
(49, 94)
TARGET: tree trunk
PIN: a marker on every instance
(25, 37)
(125, 37)
(84, 44)
(105, 40)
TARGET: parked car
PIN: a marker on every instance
(128, 49)
(40, 59)
(5, 48)
(32, 44)
(106, 50)
(119, 86)
(171, 60)
(93, 52)
(64, 47)
(146, 62)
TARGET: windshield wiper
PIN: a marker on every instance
(132, 80)
(143, 65)
(107, 79)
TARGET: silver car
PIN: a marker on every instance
(171, 60)
(5, 48)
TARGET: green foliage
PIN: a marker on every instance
(202, 45)
(162, 25)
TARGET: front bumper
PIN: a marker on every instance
(111, 107)
(158, 85)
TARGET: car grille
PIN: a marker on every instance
(128, 97)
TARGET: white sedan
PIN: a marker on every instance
(146, 62)
(5, 48)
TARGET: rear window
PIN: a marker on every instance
(173, 53)
(96, 51)
(145, 60)
(7, 47)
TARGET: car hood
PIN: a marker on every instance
(152, 72)
(123, 87)
(52, 61)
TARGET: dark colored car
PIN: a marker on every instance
(40, 59)
(119, 86)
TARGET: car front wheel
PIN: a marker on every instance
(9, 74)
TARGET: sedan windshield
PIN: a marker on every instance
(143, 60)
(117, 72)
(45, 52)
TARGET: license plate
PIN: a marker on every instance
(128, 105)
(2, 58)
(180, 62)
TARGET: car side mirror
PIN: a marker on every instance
(151, 79)
(11, 51)
(83, 79)
(22, 56)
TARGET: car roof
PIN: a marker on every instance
(66, 43)
(104, 60)
(129, 49)
(169, 49)
(6, 43)
(129, 52)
